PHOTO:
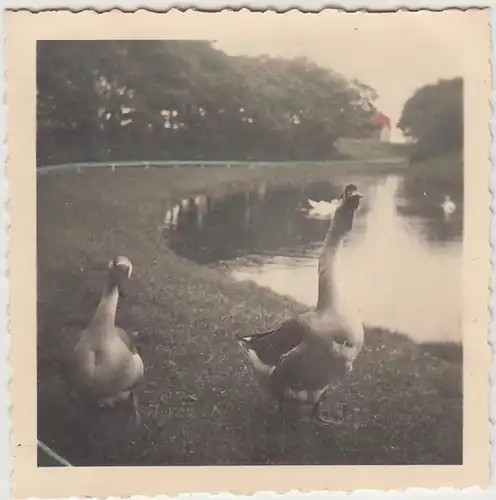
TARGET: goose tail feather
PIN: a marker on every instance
(247, 339)
(251, 349)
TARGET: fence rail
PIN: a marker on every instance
(49, 457)
(205, 164)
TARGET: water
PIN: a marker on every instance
(400, 268)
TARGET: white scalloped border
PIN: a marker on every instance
(475, 493)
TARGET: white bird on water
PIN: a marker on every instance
(448, 206)
(322, 209)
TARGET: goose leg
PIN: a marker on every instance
(135, 401)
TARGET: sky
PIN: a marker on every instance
(394, 53)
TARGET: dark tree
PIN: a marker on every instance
(155, 100)
(433, 117)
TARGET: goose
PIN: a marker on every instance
(296, 362)
(107, 366)
(448, 206)
(322, 209)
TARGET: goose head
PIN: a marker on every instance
(120, 270)
(351, 197)
(345, 212)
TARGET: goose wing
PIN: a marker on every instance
(126, 340)
(272, 345)
(134, 370)
(290, 371)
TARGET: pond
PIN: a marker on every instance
(401, 267)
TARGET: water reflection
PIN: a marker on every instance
(437, 225)
(260, 219)
(400, 268)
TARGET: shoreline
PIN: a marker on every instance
(187, 316)
(454, 348)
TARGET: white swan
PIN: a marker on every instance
(448, 206)
(322, 209)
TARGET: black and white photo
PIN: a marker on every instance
(255, 245)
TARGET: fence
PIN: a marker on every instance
(205, 164)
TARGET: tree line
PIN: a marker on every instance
(187, 100)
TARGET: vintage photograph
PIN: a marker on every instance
(250, 244)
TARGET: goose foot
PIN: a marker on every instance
(326, 420)
(320, 419)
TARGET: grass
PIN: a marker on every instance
(371, 149)
(200, 401)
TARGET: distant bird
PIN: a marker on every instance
(296, 362)
(107, 367)
(322, 209)
(448, 206)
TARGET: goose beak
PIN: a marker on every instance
(349, 366)
(124, 271)
(356, 194)
(353, 199)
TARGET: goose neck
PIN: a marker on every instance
(328, 289)
(107, 308)
(327, 292)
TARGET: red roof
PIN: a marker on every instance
(382, 119)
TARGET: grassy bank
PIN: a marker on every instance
(201, 404)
